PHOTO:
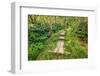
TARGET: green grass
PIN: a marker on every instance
(73, 45)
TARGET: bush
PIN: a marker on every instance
(82, 31)
(57, 27)
(35, 50)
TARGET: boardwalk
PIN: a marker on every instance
(60, 44)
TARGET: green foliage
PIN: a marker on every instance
(38, 39)
(43, 33)
(34, 50)
(82, 31)
(37, 36)
(38, 33)
(56, 27)
(72, 43)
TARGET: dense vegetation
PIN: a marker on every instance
(43, 33)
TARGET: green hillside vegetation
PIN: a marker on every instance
(43, 33)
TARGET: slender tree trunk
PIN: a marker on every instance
(50, 27)
(31, 19)
(65, 24)
(55, 19)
